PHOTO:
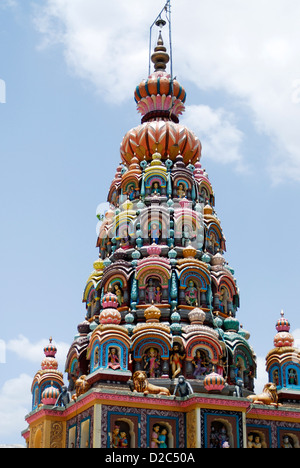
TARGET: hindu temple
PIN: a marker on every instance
(160, 359)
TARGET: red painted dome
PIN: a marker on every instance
(214, 382)
(50, 395)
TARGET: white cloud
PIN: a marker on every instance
(100, 42)
(33, 352)
(221, 139)
(250, 51)
(8, 3)
(15, 403)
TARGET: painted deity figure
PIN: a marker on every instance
(191, 294)
(113, 359)
(276, 377)
(204, 195)
(154, 232)
(224, 296)
(152, 362)
(124, 242)
(123, 442)
(93, 305)
(154, 436)
(181, 191)
(200, 365)
(257, 442)
(158, 437)
(155, 189)
(286, 442)
(119, 293)
(162, 438)
(223, 437)
(212, 243)
(218, 436)
(214, 439)
(151, 292)
(237, 372)
(176, 360)
(131, 192)
(96, 357)
(115, 437)
(158, 294)
(292, 376)
(250, 441)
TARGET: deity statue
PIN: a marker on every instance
(96, 357)
(155, 189)
(152, 362)
(158, 294)
(158, 437)
(151, 292)
(257, 442)
(212, 243)
(181, 191)
(123, 442)
(214, 439)
(224, 296)
(176, 360)
(200, 365)
(276, 377)
(191, 294)
(223, 436)
(154, 436)
(119, 293)
(124, 242)
(115, 438)
(113, 359)
(250, 441)
(131, 192)
(204, 195)
(286, 442)
(154, 232)
(292, 376)
(238, 370)
(162, 438)
(218, 436)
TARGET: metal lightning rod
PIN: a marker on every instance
(159, 21)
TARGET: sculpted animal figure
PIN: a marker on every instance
(183, 387)
(81, 386)
(268, 396)
(142, 385)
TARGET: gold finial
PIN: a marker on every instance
(160, 57)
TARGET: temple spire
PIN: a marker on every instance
(160, 57)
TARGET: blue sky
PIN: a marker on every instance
(70, 68)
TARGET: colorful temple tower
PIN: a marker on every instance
(48, 381)
(283, 363)
(160, 359)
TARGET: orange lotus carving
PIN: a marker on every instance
(167, 138)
